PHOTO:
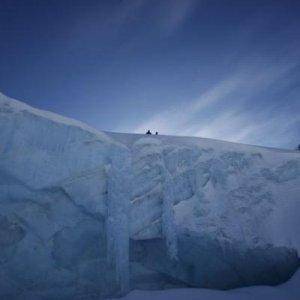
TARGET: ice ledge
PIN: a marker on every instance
(9, 105)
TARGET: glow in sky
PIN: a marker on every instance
(221, 69)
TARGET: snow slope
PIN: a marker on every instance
(99, 213)
(287, 291)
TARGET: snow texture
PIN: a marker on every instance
(89, 214)
(286, 291)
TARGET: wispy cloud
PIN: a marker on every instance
(239, 126)
(238, 120)
(177, 119)
(175, 13)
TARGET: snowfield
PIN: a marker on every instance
(87, 214)
(286, 291)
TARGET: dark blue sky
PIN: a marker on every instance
(220, 69)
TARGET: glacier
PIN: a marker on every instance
(86, 214)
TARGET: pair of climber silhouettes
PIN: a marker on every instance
(149, 132)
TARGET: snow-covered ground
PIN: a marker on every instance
(101, 213)
(287, 291)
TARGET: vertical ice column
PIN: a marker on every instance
(152, 179)
(118, 198)
(168, 222)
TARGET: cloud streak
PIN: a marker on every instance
(175, 13)
(237, 121)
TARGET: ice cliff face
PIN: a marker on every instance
(86, 214)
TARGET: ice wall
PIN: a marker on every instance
(152, 213)
(119, 187)
(91, 214)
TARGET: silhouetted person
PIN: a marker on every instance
(299, 147)
(156, 133)
(148, 132)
